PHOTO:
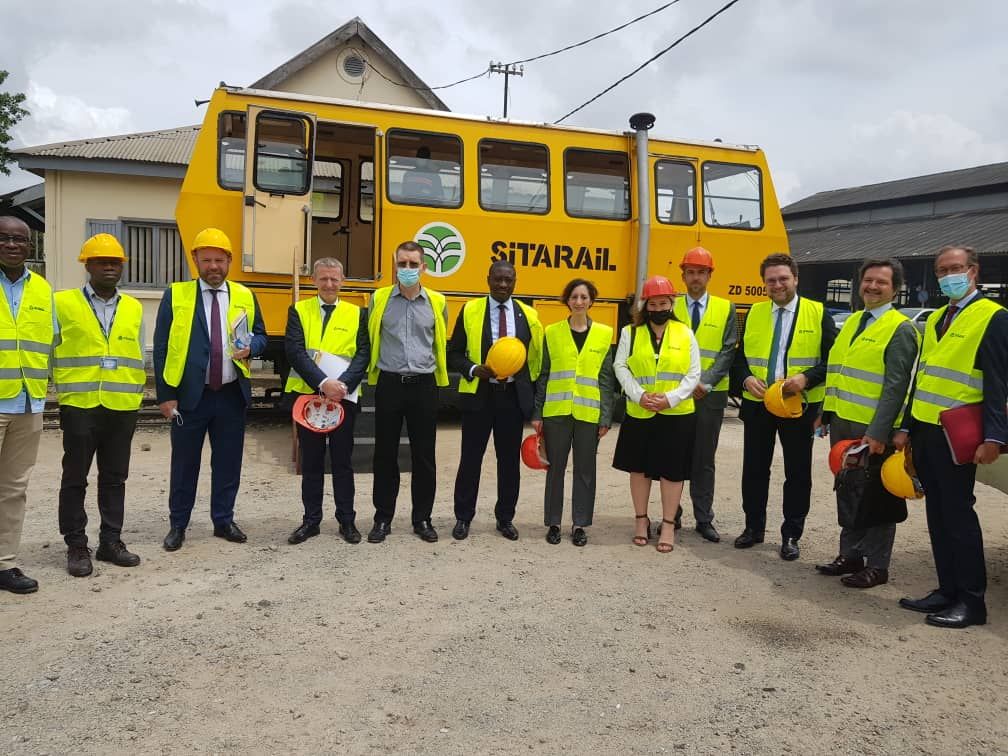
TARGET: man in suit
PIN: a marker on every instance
(964, 361)
(490, 405)
(786, 338)
(329, 324)
(202, 376)
(866, 385)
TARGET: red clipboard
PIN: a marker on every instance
(964, 431)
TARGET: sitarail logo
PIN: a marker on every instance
(443, 246)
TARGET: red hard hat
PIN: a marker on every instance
(837, 453)
(532, 453)
(699, 257)
(318, 414)
(657, 286)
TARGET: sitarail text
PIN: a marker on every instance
(540, 255)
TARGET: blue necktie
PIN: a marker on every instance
(774, 348)
(696, 316)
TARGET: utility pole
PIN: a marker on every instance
(508, 70)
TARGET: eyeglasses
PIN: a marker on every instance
(951, 270)
(13, 239)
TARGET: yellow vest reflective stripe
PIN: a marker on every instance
(806, 343)
(77, 361)
(855, 372)
(340, 336)
(710, 334)
(667, 372)
(184, 298)
(573, 387)
(473, 314)
(25, 343)
(377, 309)
(946, 376)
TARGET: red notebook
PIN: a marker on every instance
(964, 431)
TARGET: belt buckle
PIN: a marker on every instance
(409, 379)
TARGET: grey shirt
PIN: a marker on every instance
(407, 334)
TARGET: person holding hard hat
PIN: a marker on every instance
(573, 406)
(98, 371)
(713, 322)
(867, 378)
(786, 338)
(658, 365)
(490, 402)
(206, 330)
(27, 329)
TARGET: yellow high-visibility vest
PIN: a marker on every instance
(184, 298)
(25, 343)
(340, 336)
(473, 314)
(806, 343)
(377, 309)
(573, 386)
(946, 376)
(664, 374)
(90, 370)
(710, 333)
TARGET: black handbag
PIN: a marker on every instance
(862, 499)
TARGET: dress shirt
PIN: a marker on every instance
(634, 391)
(229, 372)
(14, 291)
(959, 305)
(703, 306)
(493, 312)
(407, 334)
(787, 322)
(105, 311)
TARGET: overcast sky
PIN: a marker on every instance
(838, 93)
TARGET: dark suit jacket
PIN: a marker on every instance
(190, 388)
(458, 360)
(304, 365)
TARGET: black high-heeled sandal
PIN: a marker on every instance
(664, 547)
(642, 540)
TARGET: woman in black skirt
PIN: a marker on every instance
(658, 365)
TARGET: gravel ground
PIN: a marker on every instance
(485, 646)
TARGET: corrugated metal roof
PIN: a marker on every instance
(986, 232)
(965, 179)
(168, 146)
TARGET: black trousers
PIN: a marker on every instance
(956, 538)
(87, 433)
(313, 451)
(761, 430)
(502, 416)
(413, 399)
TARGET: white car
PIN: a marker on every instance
(918, 316)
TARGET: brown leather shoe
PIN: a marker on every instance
(869, 577)
(79, 561)
(841, 566)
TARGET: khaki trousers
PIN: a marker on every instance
(19, 442)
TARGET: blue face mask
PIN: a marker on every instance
(408, 276)
(955, 285)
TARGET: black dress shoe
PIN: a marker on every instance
(378, 532)
(553, 535)
(789, 550)
(958, 615)
(708, 531)
(230, 532)
(426, 531)
(79, 561)
(507, 530)
(579, 537)
(934, 602)
(461, 530)
(302, 534)
(349, 532)
(842, 565)
(869, 577)
(116, 553)
(15, 581)
(173, 541)
(748, 539)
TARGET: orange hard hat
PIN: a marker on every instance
(837, 453)
(699, 257)
(317, 413)
(532, 452)
(657, 286)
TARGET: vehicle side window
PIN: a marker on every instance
(282, 163)
(424, 168)
(327, 189)
(597, 184)
(674, 192)
(514, 176)
(732, 196)
(231, 150)
(365, 204)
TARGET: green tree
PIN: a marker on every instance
(10, 113)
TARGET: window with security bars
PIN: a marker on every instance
(156, 255)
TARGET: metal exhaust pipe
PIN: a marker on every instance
(640, 123)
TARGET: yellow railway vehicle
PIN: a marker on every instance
(292, 179)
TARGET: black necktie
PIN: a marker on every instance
(328, 314)
(865, 318)
(696, 316)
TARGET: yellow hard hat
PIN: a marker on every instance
(102, 245)
(780, 405)
(506, 357)
(212, 237)
(897, 480)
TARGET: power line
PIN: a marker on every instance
(648, 61)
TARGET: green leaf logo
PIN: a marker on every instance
(443, 246)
